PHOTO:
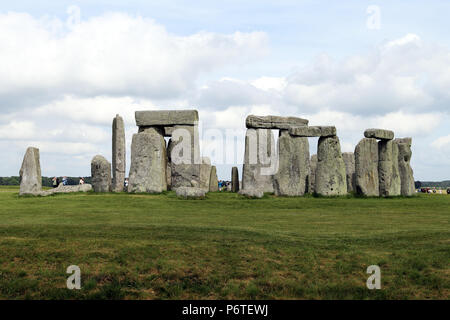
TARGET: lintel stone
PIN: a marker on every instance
(379, 134)
(274, 122)
(166, 117)
(317, 131)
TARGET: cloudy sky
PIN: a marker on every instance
(68, 67)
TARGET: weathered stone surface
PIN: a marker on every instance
(350, 169)
(389, 176)
(148, 162)
(330, 174)
(234, 179)
(312, 174)
(169, 175)
(30, 173)
(101, 174)
(366, 167)
(260, 160)
(274, 122)
(293, 165)
(379, 134)
(251, 193)
(166, 117)
(322, 131)
(190, 192)
(185, 175)
(67, 189)
(118, 154)
(213, 180)
(404, 163)
(205, 173)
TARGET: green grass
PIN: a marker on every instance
(223, 247)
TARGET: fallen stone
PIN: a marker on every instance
(274, 122)
(101, 174)
(350, 169)
(379, 134)
(67, 189)
(234, 179)
(366, 167)
(312, 174)
(166, 117)
(213, 180)
(30, 173)
(404, 163)
(330, 174)
(148, 162)
(190, 193)
(251, 193)
(293, 165)
(118, 154)
(388, 171)
(321, 131)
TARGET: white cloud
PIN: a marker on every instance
(441, 142)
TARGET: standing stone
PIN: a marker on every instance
(293, 169)
(205, 173)
(213, 180)
(312, 174)
(30, 173)
(366, 166)
(389, 176)
(148, 162)
(330, 176)
(118, 154)
(349, 160)
(234, 179)
(101, 174)
(259, 160)
(404, 163)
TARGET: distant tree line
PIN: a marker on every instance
(46, 181)
(431, 184)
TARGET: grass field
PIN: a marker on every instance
(223, 247)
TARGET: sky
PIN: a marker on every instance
(68, 67)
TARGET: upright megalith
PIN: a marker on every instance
(234, 179)
(404, 163)
(366, 167)
(260, 162)
(389, 176)
(213, 180)
(293, 165)
(30, 173)
(205, 173)
(330, 174)
(148, 162)
(312, 174)
(350, 168)
(118, 154)
(101, 174)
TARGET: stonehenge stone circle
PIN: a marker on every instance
(118, 154)
(406, 172)
(190, 192)
(274, 122)
(30, 173)
(331, 177)
(312, 174)
(148, 162)
(234, 179)
(379, 134)
(389, 176)
(366, 167)
(350, 168)
(101, 174)
(213, 180)
(318, 131)
(257, 172)
(293, 165)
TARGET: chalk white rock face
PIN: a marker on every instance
(331, 178)
(260, 160)
(366, 167)
(101, 174)
(350, 168)
(404, 163)
(293, 169)
(118, 154)
(190, 193)
(389, 175)
(30, 173)
(148, 162)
